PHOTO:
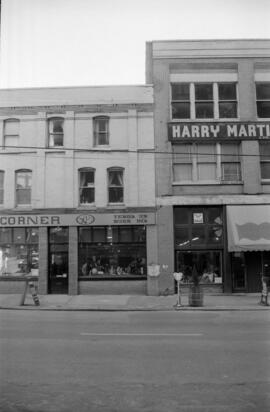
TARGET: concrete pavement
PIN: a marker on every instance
(131, 302)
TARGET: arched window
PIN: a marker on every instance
(87, 185)
(56, 132)
(11, 132)
(115, 185)
(23, 183)
(101, 130)
(2, 175)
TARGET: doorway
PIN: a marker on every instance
(58, 260)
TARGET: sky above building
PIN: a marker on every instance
(101, 42)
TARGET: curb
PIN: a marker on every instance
(183, 309)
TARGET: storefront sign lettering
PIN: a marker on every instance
(218, 130)
(83, 219)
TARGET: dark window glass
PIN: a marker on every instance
(85, 234)
(204, 110)
(228, 109)
(180, 91)
(58, 235)
(214, 215)
(227, 91)
(99, 234)
(181, 216)
(5, 235)
(198, 236)
(265, 170)
(182, 237)
(87, 189)
(263, 91)
(215, 234)
(263, 109)
(204, 91)
(181, 110)
(19, 235)
(125, 234)
(116, 190)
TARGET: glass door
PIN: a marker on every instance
(58, 260)
(58, 272)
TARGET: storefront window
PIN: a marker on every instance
(207, 264)
(114, 252)
(198, 227)
(19, 254)
(198, 233)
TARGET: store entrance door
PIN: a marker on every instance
(58, 272)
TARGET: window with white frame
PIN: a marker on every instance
(263, 99)
(116, 185)
(56, 132)
(204, 100)
(11, 132)
(23, 186)
(210, 163)
(87, 186)
(265, 160)
(2, 175)
(101, 130)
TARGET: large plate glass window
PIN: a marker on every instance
(198, 235)
(112, 251)
(19, 252)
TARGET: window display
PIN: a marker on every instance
(19, 254)
(106, 251)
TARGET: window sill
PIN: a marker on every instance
(227, 119)
(210, 183)
(87, 206)
(113, 278)
(265, 181)
(24, 207)
(101, 148)
(113, 205)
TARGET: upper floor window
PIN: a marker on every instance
(265, 160)
(56, 132)
(101, 130)
(116, 185)
(23, 187)
(2, 174)
(204, 100)
(206, 163)
(11, 132)
(87, 185)
(263, 99)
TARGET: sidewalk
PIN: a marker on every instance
(131, 302)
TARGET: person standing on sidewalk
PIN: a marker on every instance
(265, 287)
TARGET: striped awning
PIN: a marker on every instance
(248, 227)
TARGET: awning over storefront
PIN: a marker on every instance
(248, 228)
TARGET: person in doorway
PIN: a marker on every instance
(265, 287)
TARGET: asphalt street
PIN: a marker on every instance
(134, 361)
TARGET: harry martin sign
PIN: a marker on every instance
(214, 130)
